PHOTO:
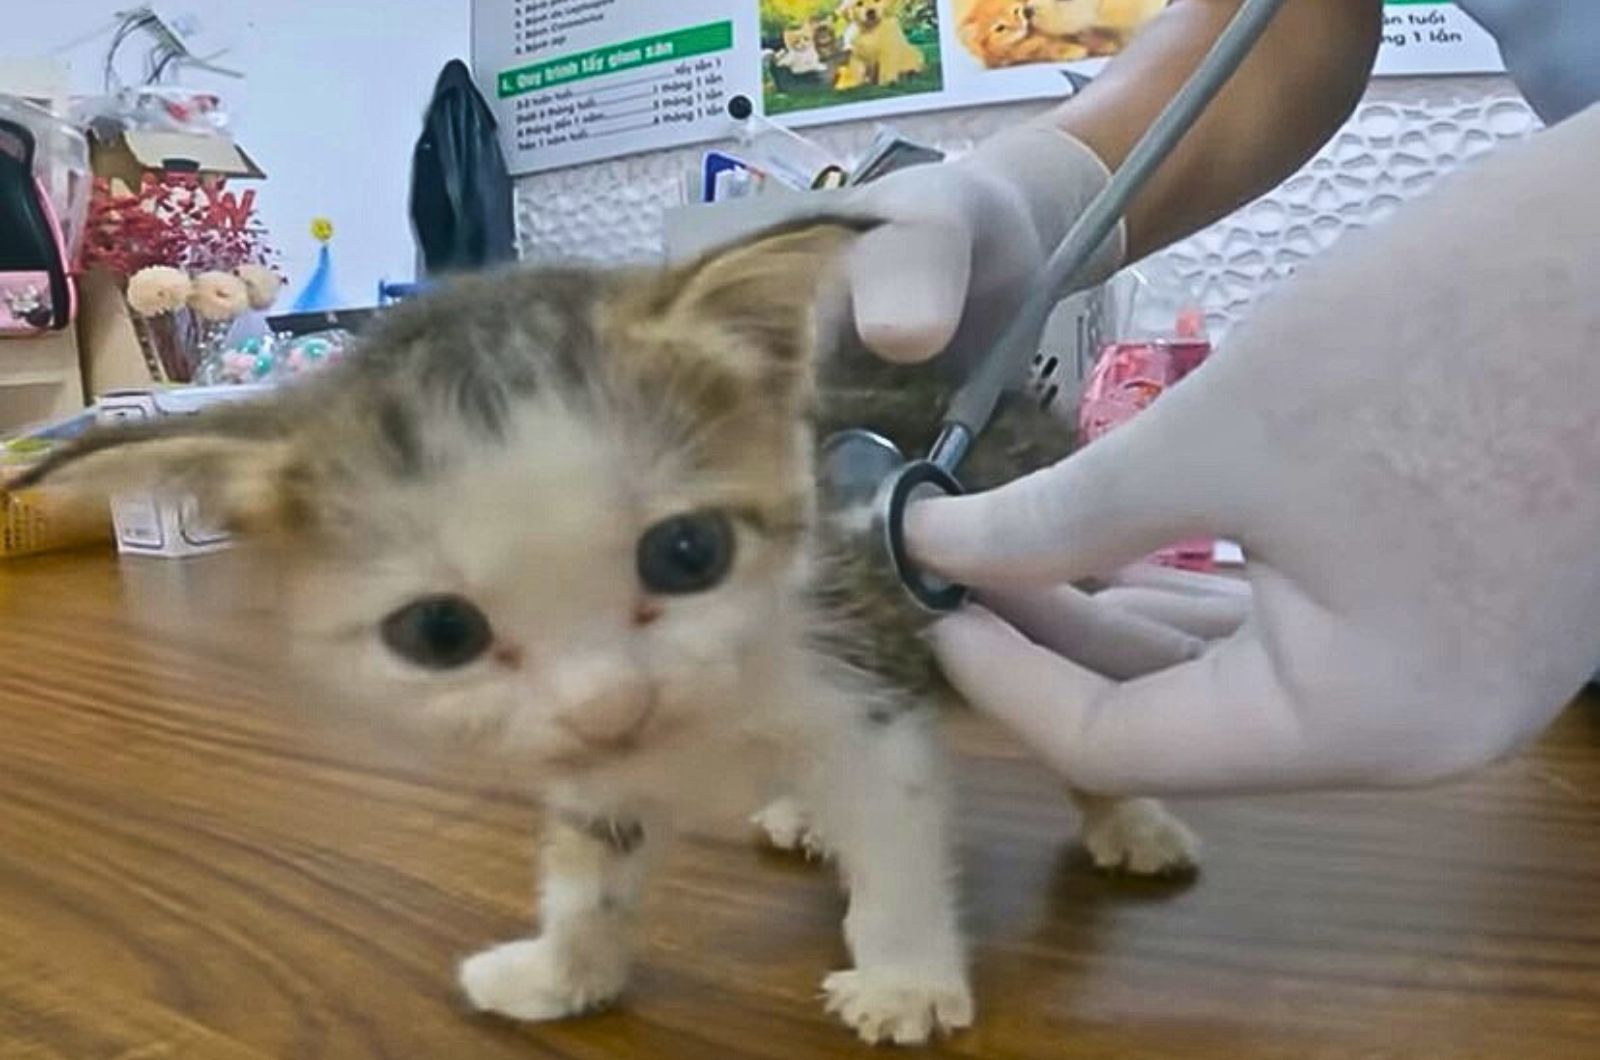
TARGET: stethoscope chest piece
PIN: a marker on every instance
(918, 480)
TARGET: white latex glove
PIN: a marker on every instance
(1129, 630)
(1405, 440)
(966, 239)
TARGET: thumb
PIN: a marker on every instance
(908, 283)
(1220, 723)
(1099, 509)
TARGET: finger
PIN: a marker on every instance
(1194, 583)
(1092, 632)
(1220, 723)
(908, 284)
(1101, 508)
(1206, 617)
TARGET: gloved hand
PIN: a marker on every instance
(967, 238)
(1405, 442)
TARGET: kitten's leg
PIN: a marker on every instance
(1137, 836)
(789, 825)
(881, 800)
(591, 878)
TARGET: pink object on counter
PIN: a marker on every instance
(1126, 378)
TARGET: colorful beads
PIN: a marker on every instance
(268, 358)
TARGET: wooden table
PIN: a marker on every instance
(190, 868)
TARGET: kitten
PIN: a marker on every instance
(570, 515)
(1002, 33)
(799, 54)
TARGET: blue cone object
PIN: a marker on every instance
(320, 292)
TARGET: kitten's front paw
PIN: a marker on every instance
(535, 979)
(788, 826)
(1140, 837)
(893, 1005)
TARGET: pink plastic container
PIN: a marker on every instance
(1126, 378)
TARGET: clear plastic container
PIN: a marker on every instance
(1151, 304)
(785, 155)
(1157, 337)
(60, 165)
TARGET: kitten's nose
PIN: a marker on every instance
(602, 704)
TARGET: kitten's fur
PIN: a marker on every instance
(508, 439)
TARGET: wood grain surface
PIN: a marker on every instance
(194, 865)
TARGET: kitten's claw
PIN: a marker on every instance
(537, 980)
(1139, 837)
(904, 1007)
(788, 827)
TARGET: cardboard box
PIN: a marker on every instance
(39, 379)
(151, 524)
(112, 357)
(132, 154)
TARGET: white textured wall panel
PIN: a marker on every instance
(611, 211)
(1403, 137)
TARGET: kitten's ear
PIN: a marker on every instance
(765, 290)
(235, 461)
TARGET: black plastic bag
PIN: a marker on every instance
(462, 211)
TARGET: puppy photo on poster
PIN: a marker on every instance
(827, 53)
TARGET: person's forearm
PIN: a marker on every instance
(1302, 80)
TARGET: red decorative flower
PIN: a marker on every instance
(180, 219)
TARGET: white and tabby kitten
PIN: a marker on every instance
(570, 515)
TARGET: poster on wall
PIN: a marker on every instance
(575, 81)
(1429, 37)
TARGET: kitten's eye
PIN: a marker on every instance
(438, 632)
(686, 553)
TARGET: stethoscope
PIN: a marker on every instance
(862, 464)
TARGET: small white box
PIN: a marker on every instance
(149, 524)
